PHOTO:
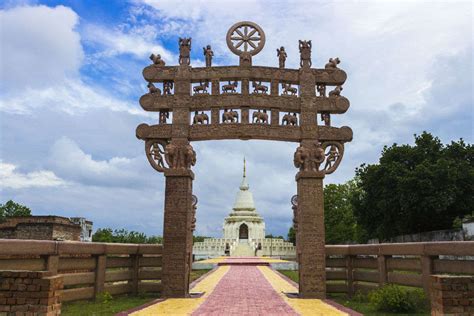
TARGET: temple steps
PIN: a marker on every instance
(243, 250)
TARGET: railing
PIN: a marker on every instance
(91, 268)
(88, 269)
(354, 268)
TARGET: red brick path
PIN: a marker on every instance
(244, 291)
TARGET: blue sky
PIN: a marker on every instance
(71, 80)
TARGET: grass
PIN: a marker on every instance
(359, 304)
(115, 305)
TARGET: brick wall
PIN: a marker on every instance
(30, 293)
(452, 294)
(40, 228)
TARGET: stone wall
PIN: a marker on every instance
(40, 228)
(452, 295)
(30, 293)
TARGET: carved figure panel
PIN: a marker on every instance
(260, 117)
(230, 87)
(288, 89)
(321, 89)
(309, 158)
(326, 118)
(333, 152)
(184, 51)
(259, 88)
(200, 118)
(168, 87)
(281, 54)
(230, 116)
(208, 54)
(290, 119)
(155, 153)
(305, 53)
(201, 88)
(164, 116)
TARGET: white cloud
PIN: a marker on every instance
(40, 46)
(69, 161)
(12, 179)
(140, 43)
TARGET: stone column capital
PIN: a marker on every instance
(179, 173)
(310, 174)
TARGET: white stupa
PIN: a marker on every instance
(244, 222)
(244, 233)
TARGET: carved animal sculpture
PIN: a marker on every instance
(259, 87)
(230, 87)
(200, 118)
(156, 59)
(152, 89)
(336, 92)
(288, 88)
(332, 64)
(230, 116)
(260, 117)
(290, 119)
(301, 158)
(202, 88)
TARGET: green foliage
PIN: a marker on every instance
(124, 236)
(119, 304)
(292, 235)
(11, 209)
(271, 236)
(199, 238)
(339, 219)
(105, 297)
(415, 188)
(397, 299)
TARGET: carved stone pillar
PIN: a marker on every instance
(177, 233)
(245, 87)
(244, 114)
(310, 235)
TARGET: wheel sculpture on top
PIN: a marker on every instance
(245, 38)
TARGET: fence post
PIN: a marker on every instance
(350, 275)
(426, 271)
(135, 273)
(382, 266)
(101, 263)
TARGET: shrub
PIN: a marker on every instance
(105, 297)
(397, 299)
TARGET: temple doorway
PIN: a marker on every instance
(243, 232)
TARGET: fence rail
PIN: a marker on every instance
(363, 268)
(91, 268)
(88, 268)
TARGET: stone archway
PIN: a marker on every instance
(243, 231)
(243, 102)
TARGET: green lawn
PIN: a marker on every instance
(115, 305)
(360, 306)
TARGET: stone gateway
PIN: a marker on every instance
(234, 94)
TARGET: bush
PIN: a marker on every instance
(397, 299)
(105, 297)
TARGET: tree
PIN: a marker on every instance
(415, 188)
(292, 235)
(339, 220)
(11, 209)
(124, 236)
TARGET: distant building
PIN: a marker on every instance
(86, 227)
(43, 228)
(244, 233)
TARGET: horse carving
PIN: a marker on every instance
(152, 89)
(202, 88)
(200, 118)
(230, 87)
(336, 92)
(259, 87)
(288, 89)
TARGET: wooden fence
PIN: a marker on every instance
(354, 268)
(88, 268)
(91, 268)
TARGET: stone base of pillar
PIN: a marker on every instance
(311, 237)
(177, 234)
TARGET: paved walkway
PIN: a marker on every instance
(243, 288)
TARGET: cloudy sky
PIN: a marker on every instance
(70, 82)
